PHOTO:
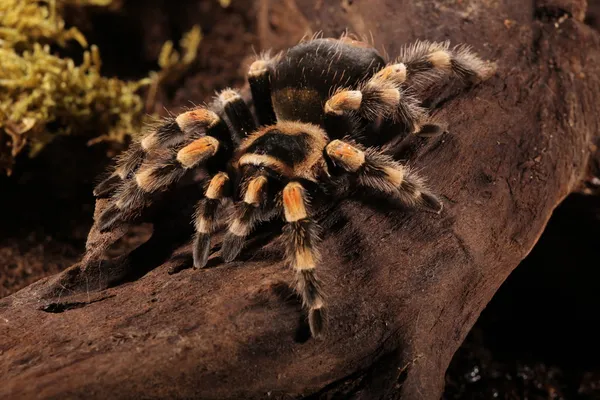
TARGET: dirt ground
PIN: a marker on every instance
(535, 340)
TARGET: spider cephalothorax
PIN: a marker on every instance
(317, 108)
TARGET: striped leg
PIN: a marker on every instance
(380, 97)
(422, 63)
(206, 216)
(247, 214)
(164, 135)
(426, 62)
(127, 164)
(133, 195)
(259, 78)
(155, 165)
(379, 172)
(301, 238)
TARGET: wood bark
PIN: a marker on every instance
(404, 288)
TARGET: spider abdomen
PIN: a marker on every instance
(306, 74)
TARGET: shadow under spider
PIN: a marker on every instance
(253, 250)
(287, 295)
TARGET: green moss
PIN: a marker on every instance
(173, 65)
(43, 95)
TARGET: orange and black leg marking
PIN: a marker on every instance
(129, 200)
(428, 61)
(207, 134)
(381, 173)
(159, 170)
(162, 169)
(127, 164)
(165, 135)
(155, 165)
(171, 133)
(247, 213)
(198, 152)
(198, 121)
(259, 78)
(206, 216)
(301, 238)
(165, 166)
(380, 97)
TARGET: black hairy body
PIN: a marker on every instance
(320, 111)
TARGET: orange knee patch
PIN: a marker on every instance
(293, 202)
(256, 188)
(346, 155)
(346, 100)
(217, 186)
(391, 98)
(395, 73)
(198, 151)
(199, 116)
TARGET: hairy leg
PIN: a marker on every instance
(259, 78)
(247, 213)
(158, 162)
(376, 171)
(302, 254)
(207, 214)
(381, 97)
(427, 62)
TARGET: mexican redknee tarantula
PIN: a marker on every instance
(319, 112)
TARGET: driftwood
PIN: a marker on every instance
(404, 287)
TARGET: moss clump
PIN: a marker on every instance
(173, 65)
(25, 22)
(41, 88)
(43, 95)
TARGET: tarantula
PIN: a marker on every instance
(320, 110)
